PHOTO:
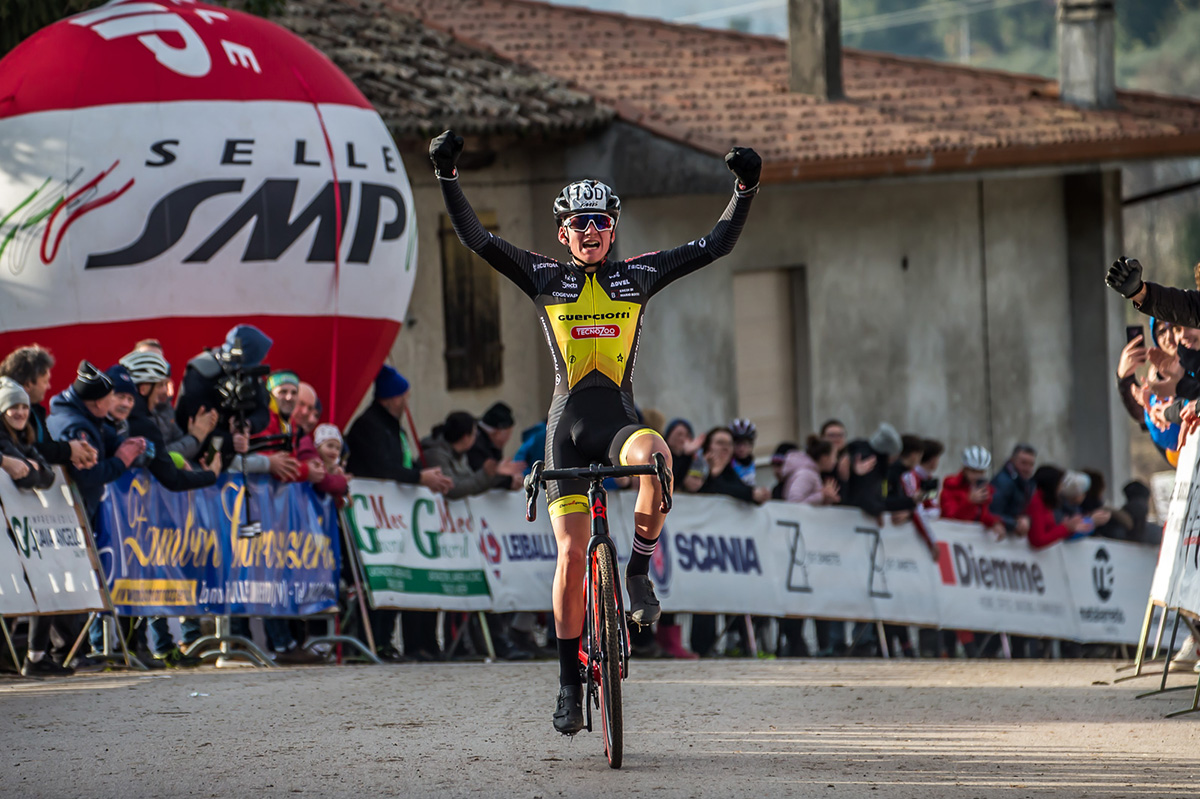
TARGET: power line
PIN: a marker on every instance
(933, 13)
(874, 22)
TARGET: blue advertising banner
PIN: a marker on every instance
(246, 546)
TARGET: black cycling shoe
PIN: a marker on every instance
(643, 604)
(568, 714)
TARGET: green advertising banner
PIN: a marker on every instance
(417, 549)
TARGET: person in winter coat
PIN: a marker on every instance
(967, 496)
(30, 368)
(330, 446)
(17, 440)
(78, 414)
(448, 447)
(866, 486)
(802, 470)
(1044, 528)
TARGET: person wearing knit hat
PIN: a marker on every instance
(283, 387)
(124, 390)
(11, 393)
(886, 441)
(283, 377)
(389, 383)
(328, 441)
(90, 383)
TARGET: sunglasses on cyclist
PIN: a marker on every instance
(579, 223)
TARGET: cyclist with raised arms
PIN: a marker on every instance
(591, 313)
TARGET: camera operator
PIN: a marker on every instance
(228, 378)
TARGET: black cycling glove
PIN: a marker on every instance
(745, 164)
(444, 152)
(1125, 277)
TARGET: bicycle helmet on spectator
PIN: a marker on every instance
(586, 196)
(743, 429)
(146, 367)
(977, 458)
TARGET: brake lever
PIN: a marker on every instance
(531, 491)
(664, 482)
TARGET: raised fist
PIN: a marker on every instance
(444, 152)
(1125, 277)
(743, 163)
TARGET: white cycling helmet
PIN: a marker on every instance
(586, 196)
(146, 367)
(977, 458)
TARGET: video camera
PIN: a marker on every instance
(238, 383)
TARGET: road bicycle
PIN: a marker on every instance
(604, 645)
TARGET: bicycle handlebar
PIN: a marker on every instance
(539, 475)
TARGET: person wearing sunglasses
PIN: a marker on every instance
(591, 312)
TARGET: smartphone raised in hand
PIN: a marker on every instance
(215, 443)
(1133, 331)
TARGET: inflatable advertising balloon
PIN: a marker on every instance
(169, 169)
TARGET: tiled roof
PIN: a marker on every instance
(711, 89)
(422, 81)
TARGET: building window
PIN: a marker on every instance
(471, 305)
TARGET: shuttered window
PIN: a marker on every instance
(471, 302)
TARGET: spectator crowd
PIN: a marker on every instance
(231, 413)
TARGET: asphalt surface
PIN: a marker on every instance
(722, 728)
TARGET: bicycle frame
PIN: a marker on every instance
(598, 508)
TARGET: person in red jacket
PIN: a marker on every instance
(966, 496)
(1044, 527)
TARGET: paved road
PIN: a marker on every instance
(716, 728)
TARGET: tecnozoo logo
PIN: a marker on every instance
(595, 331)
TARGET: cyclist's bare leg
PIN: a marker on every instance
(647, 518)
(571, 533)
(639, 450)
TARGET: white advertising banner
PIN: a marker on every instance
(1181, 510)
(51, 546)
(15, 597)
(520, 557)
(719, 555)
(1002, 586)
(1109, 581)
(417, 549)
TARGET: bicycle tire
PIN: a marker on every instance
(608, 630)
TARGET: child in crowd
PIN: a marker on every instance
(17, 439)
(325, 456)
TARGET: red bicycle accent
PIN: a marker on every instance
(599, 511)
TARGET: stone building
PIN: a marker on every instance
(928, 247)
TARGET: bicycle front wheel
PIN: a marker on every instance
(607, 626)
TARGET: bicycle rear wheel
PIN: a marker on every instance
(607, 626)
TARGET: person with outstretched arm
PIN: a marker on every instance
(591, 310)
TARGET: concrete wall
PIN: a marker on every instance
(922, 311)
(941, 307)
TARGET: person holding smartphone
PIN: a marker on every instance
(967, 496)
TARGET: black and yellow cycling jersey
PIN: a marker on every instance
(592, 320)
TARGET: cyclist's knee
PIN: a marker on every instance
(641, 447)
